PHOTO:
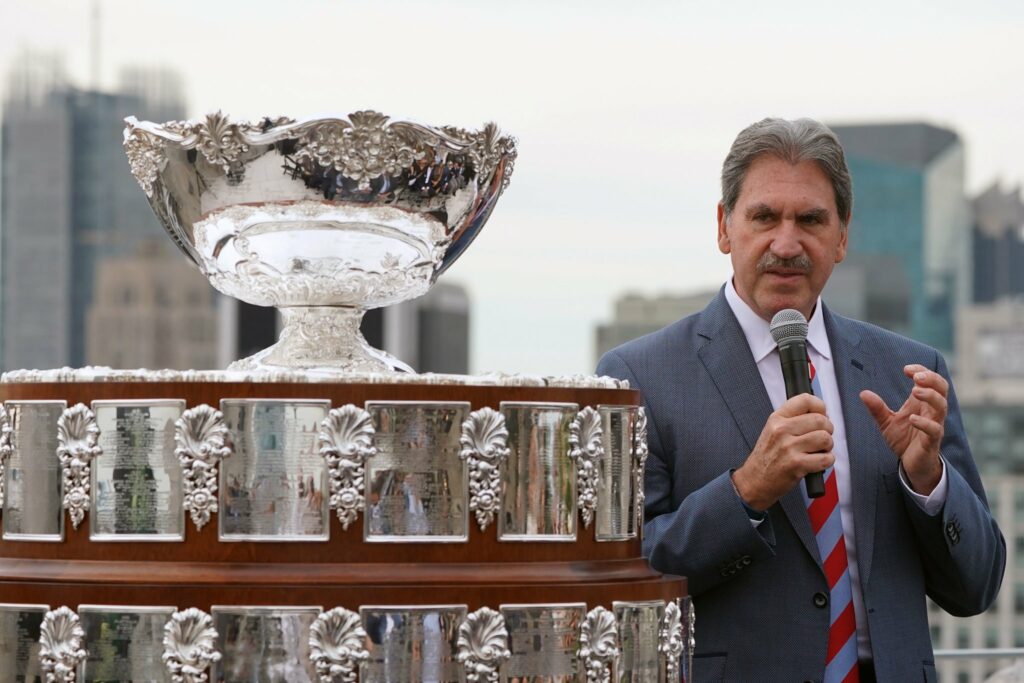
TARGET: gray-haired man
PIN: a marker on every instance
(789, 588)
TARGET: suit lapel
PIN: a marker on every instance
(853, 371)
(728, 360)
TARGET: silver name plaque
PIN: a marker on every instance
(33, 501)
(616, 498)
(136, 482)
(539, 481)
(273, 487)
(124, 644)
(544, 641)
(417, 483)
(412, 644)
(264, 644)
(639, 626)
(19, 643)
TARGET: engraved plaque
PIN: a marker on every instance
(273, 487)
(412, 644)
(264, 644)
(416, 483)
(19, 643)
(639, 624)
(616, 499)
(136, 482)
(545, 642)
(125, 644)
(33, 508)
(538, 501)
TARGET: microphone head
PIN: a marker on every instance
(788, 326)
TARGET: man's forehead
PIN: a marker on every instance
(773, 181)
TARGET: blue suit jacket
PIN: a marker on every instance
(754, 588)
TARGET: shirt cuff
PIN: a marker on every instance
(933, 502)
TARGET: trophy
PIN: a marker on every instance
(323, 218)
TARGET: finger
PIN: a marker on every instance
(930, 428)
(815, 462)
(804, 424)
(930, 379)
(876, 406)
(801, 405)
(814, 442)
(931, 397)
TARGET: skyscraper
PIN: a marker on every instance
(998, 244)
(910, 206)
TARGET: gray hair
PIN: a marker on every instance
(792, 141)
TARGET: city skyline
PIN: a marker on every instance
(623, 116)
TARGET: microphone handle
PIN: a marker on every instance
(796, 373)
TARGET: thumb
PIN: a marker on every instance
(876, 406)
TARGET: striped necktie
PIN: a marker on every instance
(827, 523)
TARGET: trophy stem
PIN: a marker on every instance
(323, 339)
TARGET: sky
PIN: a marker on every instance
(623, 112)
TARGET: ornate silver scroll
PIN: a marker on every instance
(346, 441)
(78, 438)
(136, 480)
(19, 641)
(273, 487)
(538, 501)
(417, 481)
(691, 639)
(640, 453)
(483, 645)
(412, 644)
(61, 645)
(124, 643)
(264, 644)
(201, 442)
(484, 447)
(6, 447)
(190, 646)
(586, 449)
(337, 646)
(599, 645)
(33, 508)
(615, 516)
(545, 642)
(639, 627)
(670, 640)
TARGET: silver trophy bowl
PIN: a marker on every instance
(323, 218)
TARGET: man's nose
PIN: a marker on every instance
(786, 241)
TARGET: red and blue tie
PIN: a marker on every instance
(841, 660)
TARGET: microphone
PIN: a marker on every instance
(789, 330)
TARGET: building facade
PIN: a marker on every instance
(636, 315)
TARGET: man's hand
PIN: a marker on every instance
(796, 440)
(914, 432)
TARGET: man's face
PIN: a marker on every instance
(784, 235)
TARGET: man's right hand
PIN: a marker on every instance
(796, 440)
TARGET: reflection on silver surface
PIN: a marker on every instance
(689, 635)
(264, 644)
(136, 481)
(273, 487)
(19, 642)
(539, 498)
(33, 508)
(483, 645)
(323, 217)
(545, 643)
(599, 645)
(412, 644)
(6, 447)
(616, 499)
(124, 644)
(639, 623)
(417, 481)
(640, 453)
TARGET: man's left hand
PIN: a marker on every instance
(914, 432)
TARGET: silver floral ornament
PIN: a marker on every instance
(484, 444)
(670, 639)
(201, 441)
(61, 641)
(337, 644)
(346, 441)
(599, 645)
(586, 449)
(482, 646)
(190, 646)
(78, 438)
(6, 446)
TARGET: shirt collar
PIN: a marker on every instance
(759, 337)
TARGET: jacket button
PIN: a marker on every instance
(820, 600)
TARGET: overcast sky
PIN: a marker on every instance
(623, 111)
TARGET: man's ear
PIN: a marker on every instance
(723, 230)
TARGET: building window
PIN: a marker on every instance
(963, 637)
(991, 637)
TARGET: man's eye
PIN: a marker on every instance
(762, 217)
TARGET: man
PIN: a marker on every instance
(788, 588)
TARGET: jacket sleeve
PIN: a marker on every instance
(708, 536)
(963, 553)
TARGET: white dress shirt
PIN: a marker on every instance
(766, 355)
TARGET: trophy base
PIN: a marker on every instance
(322, 340)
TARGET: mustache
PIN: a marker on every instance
(770, 260)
